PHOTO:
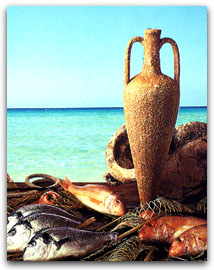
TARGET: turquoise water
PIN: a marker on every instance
(68, 142)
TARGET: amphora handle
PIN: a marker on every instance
(176, 57)
(128, 56)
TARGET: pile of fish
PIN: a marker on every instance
(46, 232)
(187, 236)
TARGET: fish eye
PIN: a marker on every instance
(150, 225)
(180, 239)
(12, 232)
(32, 243)
(117, 201)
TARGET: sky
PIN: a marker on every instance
(73, 56)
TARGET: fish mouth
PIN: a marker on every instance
(35, 251)
(29, 258)
(11, 221)
(175, 251)
(123, 211)
(120, 214)
(144, 236)
(120, 211)
(11, 247)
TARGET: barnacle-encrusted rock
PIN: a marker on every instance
(186, 166)
(118, 157)
(185, 171)
(186, 133)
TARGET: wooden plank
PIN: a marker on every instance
(128, 192)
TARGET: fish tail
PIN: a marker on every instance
(65, 184)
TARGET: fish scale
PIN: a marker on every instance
(62, 242)
(191, 242)
(166, 229)
(39, 219)
(24, 230)
(98, 197)
(41, 208)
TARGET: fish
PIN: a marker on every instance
(49, 197)
(62, 242)
(21, 233)
(190, 243)
(148, 214)
(98, 197)
(26, 210)
(166, 229)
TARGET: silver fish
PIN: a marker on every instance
(26, 210)
(21, 233)
(59, 243)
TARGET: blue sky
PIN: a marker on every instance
(74, 56)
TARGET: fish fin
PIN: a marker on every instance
(46, 238)
(65, 184)
(97, 202)
(62, 242)
(181, 230)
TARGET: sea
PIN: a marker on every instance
(68, 142)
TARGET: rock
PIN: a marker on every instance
(118, 157)
(185, 171)
(186, 166)
(186, 133)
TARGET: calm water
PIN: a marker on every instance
(68, 142)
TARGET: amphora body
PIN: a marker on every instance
(151, 101)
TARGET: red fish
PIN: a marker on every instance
(166, 229)
(148, 214)
(98, 197)
(190, 243)
(49, 197)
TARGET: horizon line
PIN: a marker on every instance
(65, 108)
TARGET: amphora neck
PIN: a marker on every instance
(151, 63)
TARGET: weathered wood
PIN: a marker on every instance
(128, 191)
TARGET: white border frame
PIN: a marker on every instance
(3, 82)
